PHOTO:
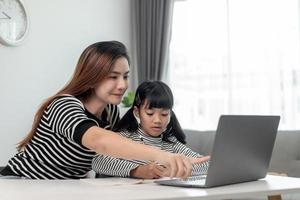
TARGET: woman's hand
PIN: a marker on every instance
(193, 161)
(176, 165)
(148, 171)
(199, 159)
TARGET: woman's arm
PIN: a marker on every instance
(108, 143)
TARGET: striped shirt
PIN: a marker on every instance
(55, 151)
(107, 165)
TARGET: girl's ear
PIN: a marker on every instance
(136, 114)
(170, 116)
(169, 121)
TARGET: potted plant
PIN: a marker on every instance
(127, 102)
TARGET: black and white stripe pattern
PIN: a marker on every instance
(53, 153)
(111, 166)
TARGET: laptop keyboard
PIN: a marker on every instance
(193, 181)
(196, 178)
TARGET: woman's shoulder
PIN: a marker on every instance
(66, 100)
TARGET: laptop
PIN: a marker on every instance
(241, 152)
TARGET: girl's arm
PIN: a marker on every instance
(111, 166)
(108, 143)
(107, 165)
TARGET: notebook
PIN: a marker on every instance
(241, 152)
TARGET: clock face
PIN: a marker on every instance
(13, 22)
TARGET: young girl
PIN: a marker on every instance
(149, 121)
(73, 125)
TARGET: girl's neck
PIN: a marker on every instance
(147, 134)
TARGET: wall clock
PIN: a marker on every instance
(13, 22)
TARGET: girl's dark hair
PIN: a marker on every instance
(158, 95)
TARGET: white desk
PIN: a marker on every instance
(82, 190)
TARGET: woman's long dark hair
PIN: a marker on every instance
(94, 64)
(158, 95)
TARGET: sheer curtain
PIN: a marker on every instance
(235, 57)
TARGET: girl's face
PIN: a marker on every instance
(153, 121)
(112, 88)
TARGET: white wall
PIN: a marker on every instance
(59, 32)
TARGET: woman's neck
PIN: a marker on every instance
(94, 106)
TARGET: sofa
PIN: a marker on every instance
(285, 157)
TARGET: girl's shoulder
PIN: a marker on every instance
(173, 139)
(125, 133)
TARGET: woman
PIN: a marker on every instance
(74, 124)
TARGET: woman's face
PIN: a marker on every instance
(153, 121)
(113, 87)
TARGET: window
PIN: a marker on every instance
(235, 57)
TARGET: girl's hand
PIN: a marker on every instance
(199, 159)
(148, 171)
(177, 165)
